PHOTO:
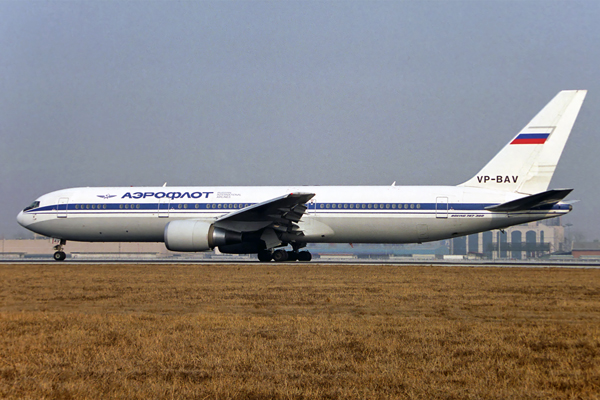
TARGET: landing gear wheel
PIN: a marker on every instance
(60, 256)
(292, 256)
(304, 256)
(280, 255)
(265, 256)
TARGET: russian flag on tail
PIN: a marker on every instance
(530, 138)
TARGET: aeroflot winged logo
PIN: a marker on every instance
(106, 196)
(531, 138)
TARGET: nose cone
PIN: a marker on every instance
(23, 219)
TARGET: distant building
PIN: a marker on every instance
(44, 247)
(519, 242)
(586, 249)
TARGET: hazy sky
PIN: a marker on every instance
(275, 93)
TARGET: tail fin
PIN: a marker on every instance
(526, 164)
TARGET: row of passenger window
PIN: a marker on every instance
(226, 205)
(90, 206)
(220, 205)
(370, 205)
(242, 205)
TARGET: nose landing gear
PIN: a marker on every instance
(60, 255)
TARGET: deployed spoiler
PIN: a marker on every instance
(535, 200)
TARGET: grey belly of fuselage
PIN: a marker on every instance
(345, 229)
(103, 229)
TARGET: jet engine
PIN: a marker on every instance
(191, 235)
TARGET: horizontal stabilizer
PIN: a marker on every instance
(535, 200)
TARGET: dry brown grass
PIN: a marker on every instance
(298, 332)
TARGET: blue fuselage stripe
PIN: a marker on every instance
(354, 208)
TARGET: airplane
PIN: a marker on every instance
(511, 189)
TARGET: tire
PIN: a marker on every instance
(280, 255)
(265, 256)
(304, 256)
(60, 256)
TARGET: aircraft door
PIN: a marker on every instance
(163, 208)
(441, 207)
(61, 210)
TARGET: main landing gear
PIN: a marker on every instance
(283, 255)
(60, 255)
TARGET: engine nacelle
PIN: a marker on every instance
(190, 235)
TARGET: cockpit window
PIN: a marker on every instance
(33, 205)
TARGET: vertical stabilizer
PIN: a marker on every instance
(526, 164)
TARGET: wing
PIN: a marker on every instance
(280, 213)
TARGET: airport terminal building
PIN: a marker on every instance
(532, 240)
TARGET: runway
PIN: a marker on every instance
(586, 264)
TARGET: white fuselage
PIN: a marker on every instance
(336, 214)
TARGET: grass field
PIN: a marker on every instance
(71, 331)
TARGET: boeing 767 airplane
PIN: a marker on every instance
(511, 189)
